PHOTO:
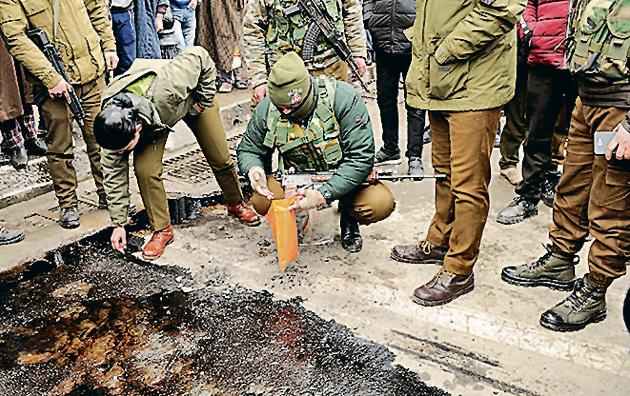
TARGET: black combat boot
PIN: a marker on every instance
(554, 269)
(35, 147)
(585, 305)
(8, 237)
(384, 157)
(69, 217)
(350, 237)
(17, 157)
(518, 210)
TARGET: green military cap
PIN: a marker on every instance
(289, 81)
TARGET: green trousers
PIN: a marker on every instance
(210, 134)
(58, 120)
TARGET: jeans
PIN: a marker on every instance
(547, 88)
(389, 69)
(124, 29)
(186, 17)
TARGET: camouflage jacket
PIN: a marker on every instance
(352, 133)
(84, 31)
(260, 35)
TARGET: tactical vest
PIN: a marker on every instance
(315, 149)
(287, 34)
(600, 46)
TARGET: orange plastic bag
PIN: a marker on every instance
(284, 230)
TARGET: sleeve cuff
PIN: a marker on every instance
(327, 192)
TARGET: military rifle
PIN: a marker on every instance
(321, 25)
(316, 179)
(39, 37)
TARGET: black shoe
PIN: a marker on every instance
(351, 239)
(35, 147)
(69, 218)
(518, 210)
(383, 157)
(18, 157)
(8, 237)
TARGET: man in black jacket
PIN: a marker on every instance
(386, 20)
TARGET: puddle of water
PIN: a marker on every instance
(99, 324)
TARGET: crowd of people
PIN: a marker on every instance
(557, 69)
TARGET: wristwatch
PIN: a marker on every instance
(327, 195)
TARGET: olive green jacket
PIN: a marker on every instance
(355, 137)
(84, 32)
(464, 54)
(179, 83)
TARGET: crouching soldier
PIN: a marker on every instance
(317, 124)
(140, 108)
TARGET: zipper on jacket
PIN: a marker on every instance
(393, 16)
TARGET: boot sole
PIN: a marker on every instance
(574, 326)
(151, 258)
(70, 226)
(425, 303)
(546, 282)
(518, 219)
(409, 261)
(12, 241)
(252, 224)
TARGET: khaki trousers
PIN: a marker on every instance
(58, 120)
(593, 195)
(462, 144)
(369, 204)
(210, 134)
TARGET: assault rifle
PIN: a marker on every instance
(321, 25)
(38, 36)
(316, 179)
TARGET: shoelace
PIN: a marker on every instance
(578, 299)
(442, 276)
(425, 246)
(541, 260)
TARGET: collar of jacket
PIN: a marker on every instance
(148, 113)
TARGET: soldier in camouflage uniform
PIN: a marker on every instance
(593, 195)
(269, 35)
(316, 124)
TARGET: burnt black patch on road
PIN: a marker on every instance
(102, 324)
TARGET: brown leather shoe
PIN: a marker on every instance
(423, 253)
(160, 239)
(244, 213)
(443, 288)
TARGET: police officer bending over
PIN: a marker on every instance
(140, 108)
(317, 124)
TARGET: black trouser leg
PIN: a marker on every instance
(415, 117)
(545, 89)
(387, 80)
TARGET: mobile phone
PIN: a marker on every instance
(601, 141)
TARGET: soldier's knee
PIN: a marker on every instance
(373, 204)
(146, 173)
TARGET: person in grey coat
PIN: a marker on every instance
(386, 20)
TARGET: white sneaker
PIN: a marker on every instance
(512, 175)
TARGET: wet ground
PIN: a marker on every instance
(86, 322)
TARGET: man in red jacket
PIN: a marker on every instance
(549, 86)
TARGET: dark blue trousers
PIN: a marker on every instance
(125, 34)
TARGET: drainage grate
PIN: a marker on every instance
(192, 168)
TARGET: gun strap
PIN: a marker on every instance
(55, 18)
